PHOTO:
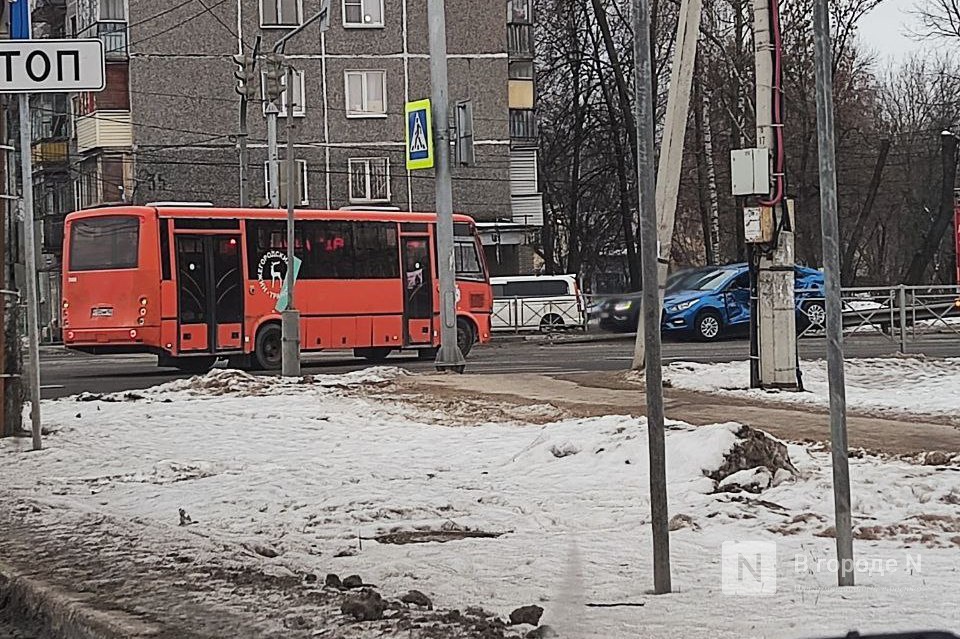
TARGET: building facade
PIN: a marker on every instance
(167, 126)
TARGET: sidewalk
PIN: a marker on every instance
(593, 394)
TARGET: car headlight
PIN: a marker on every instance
(623, 306)
(683, 306)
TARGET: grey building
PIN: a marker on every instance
(166, 128)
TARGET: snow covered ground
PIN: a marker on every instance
(877, 386)
(315, 472)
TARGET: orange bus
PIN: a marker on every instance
(193, 283)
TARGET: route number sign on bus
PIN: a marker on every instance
(51, 66)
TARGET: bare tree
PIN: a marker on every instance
(938, 18)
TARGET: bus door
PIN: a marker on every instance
(209, 293)
(418, 289)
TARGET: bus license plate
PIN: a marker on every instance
(102, 312)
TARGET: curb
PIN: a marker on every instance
(65, 616)
(564, 339)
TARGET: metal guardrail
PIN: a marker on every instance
(518, 314)
(899, 313)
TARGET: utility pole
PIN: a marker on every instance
(30, 254)
(246, 87)
(273, 89)
(290, 317)
(831, 263)
(671, 150)
(11, 356)
(646, 152)
(775, 321)
(449, 357)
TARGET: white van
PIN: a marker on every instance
(536, 303)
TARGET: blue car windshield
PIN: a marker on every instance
(711, 281)
(681, 281)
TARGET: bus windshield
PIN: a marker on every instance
(105, 243)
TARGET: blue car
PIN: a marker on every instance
(717, 303)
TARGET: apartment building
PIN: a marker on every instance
(166, 128)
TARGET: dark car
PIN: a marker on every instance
(621, 313)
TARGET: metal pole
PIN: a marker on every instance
(902, 303)
(831, 263)
(273, 162)
(646, 156)
(30, 248)
(290, 317)
(449, 357)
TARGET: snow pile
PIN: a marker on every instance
(877, 386)
(324, 479)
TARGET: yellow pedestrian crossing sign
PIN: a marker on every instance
(419, 135)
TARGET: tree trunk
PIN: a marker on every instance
(848, 267)
(934, 236)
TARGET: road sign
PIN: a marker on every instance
(51, 66)
(419, 135)
(20, 19)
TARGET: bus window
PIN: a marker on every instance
(468, 263)
(375, 250)
(104, 243)
(329, 250)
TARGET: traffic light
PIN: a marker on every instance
(246, 76)
(273, 77)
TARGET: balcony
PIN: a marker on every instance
(523, 126)
(50, 154)
(520, 40)
(104, 130)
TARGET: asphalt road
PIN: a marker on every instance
(65, 373)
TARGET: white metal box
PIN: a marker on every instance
(750, 171)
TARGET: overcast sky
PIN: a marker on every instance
(884, 30)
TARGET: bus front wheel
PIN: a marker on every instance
(268, 353)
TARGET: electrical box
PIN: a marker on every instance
(758, 225)
(750, 171)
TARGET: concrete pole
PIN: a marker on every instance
(290, 317)
(831, 263)
(449, 357)
(30, 256)
(775, 319)
(242, 151)
(646, 152)
(671, 149)
(273, 161)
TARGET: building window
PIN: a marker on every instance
(366, 93)
(363, 13)
(369, 180)
(281, 13)
(521, 70)
(519, 12)
(299, 101)
(303, 200)
(113, 10)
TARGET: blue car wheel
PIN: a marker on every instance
(708, 326)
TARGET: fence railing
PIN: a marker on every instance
(547, 316)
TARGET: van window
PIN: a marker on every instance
(104, 243)
(535, 288)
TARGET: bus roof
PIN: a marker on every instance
(202, 211)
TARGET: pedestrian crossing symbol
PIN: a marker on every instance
(419, 135)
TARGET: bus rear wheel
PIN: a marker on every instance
(375, 354)
(194, 365)
(268, 353)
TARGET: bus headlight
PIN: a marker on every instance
(133, 333)
(143, 301)
(140, 321)
(143, 311)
